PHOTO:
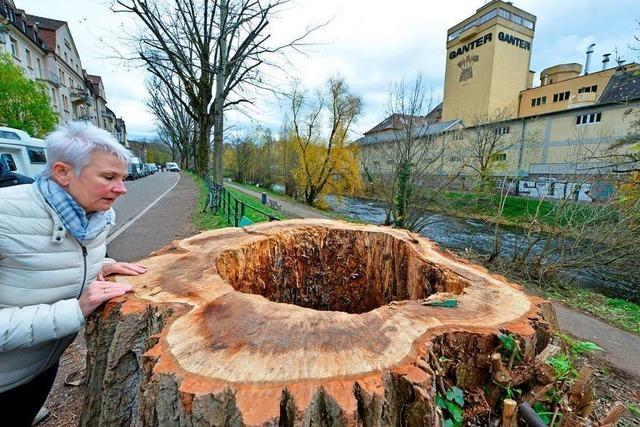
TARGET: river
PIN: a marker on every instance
(460, 234)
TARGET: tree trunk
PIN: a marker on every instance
(304, 323)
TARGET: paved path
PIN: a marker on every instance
(291, 210)
(622, 348)
(169, 219)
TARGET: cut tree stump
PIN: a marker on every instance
(303, 323)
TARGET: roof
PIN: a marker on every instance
(623, 87)
(51, 24)
(396, 121)
(426, 129)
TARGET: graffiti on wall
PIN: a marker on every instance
(579, 191)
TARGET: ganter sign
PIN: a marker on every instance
(471, 45)
(508, 38)
(502, 36)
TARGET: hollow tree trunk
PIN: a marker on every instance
(301, 323)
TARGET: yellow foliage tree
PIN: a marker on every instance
(326, 164)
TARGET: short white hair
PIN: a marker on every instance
(74, 142)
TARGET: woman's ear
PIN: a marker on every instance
(61, 173)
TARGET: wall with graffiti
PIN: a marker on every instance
(579, 191)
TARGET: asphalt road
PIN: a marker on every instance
(141, 228)
(141, 193)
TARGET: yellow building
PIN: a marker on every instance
(562, 127)
(487, 63)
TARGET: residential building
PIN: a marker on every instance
(21, 37)
(44, 48)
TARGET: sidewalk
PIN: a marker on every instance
(622, 348)
(291, 210)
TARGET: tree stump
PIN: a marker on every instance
(301, 323)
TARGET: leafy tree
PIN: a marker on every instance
(24, 103)
(327, 163)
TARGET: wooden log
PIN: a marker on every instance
(302, 322)
(615, 413)
(509, 411)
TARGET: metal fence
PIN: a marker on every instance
(233, 209)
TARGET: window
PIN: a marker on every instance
(9, 135)
(39, 67)
(516, 18)
(65, 57)
(538, 101)
(487, 16)
(27, 55)
(587, 119)
(504, 13)
(561, 96)
(527, 23)
(36, 155)
(14, 47)
(8, 159)
(502, 130)
(65, 103)
(587, 89)
(499, 157)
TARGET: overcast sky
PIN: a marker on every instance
(371, 43)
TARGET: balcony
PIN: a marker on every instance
(80, 95)
(51, 77)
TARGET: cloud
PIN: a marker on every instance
(371, 43)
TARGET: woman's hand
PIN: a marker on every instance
(124, 268)
(100, 291)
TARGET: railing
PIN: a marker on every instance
(233, 209)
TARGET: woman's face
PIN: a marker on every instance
(99, 184)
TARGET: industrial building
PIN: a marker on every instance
(562, 126)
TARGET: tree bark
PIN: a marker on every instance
(301, 323)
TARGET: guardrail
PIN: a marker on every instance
(233, 209)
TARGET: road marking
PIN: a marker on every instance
(142, 212)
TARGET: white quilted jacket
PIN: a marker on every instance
(43, 271)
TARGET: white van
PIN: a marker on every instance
(23, 154)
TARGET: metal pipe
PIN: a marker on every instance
(588, 62)
(526, 412)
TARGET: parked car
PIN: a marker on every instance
(22, 154)
(172, 167)
(8, 178)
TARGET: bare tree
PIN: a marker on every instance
(215, 49)
(403, 168)
(176, 127)
(485, 144)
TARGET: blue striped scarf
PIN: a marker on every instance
(84, 227)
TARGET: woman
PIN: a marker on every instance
(52, 261)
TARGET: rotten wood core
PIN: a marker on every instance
(305, 322)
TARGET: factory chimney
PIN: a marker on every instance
(605, 60)
(588, 62)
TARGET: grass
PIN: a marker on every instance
(252, 202)
(289, 199)
(615, 311)
(521, 210)
(203, 218)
